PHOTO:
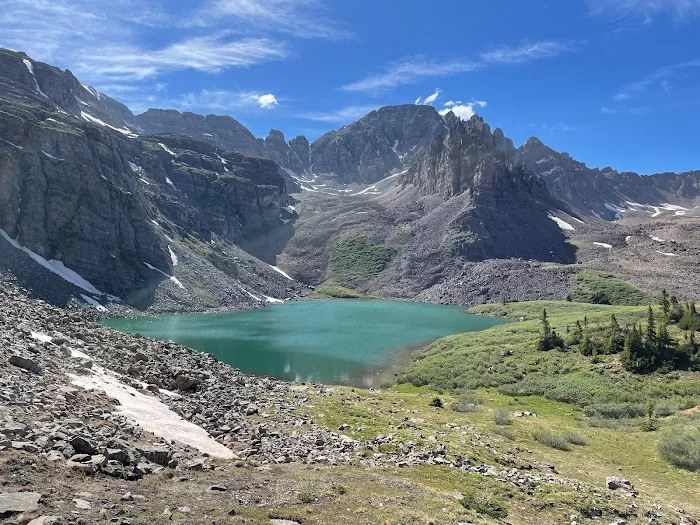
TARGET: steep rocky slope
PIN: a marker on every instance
(606, 193)
(104, 208)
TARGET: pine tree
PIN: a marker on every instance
(615, 341)
(651, 330)
(633, 357)
(676, 310)
(665, 304)
(587, 347)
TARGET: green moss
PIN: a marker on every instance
(356, 260)
(591, 286)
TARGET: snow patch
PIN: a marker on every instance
(93, 302)
(667, 253)
(166, 148)
(289, 209)
(173, 257)
(169, 181)
(49, 155)
(281, 272)
(618, 211)
(41, 337)
(562, 224)
(171, 277)
(95, 120)
(657, 239)
(11, 144)
(150, 413)
(134, 167)
(272, 300)
(30, 68)
(603, 245)
(54, 266)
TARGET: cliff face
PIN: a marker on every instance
(382, 142)
(496, 209)
(85, 194)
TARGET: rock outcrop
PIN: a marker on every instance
(493, 208)
(384, 141)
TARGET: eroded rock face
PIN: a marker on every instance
(493, 208)
(589, 189)
(383, 141)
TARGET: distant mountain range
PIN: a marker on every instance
(86, 183)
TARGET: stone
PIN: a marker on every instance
(27, 364)
(82, 504)
(218, 488)
(83, 445)
(616, 482)
(46, 520)
(251, 409)
(16, 502)
(157, 454)
(344, 426)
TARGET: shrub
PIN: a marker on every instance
(491, 507)
(552, 439)
(459, 406)
(504, 432)
(682, 449)
(574, 438)
(665, 409)
(306, 496)
(615, 410)
(502, 416)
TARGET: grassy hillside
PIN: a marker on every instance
(591, 286)
(356, 260)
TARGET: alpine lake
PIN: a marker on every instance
(350, 342)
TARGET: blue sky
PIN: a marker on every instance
(612, 82)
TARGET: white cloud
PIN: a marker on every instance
(659, 79)
(341, 115)
(465, 111)
(525, 53)
(645, 10)
(224, 101)
(430, 98)
(409, 71)
(268, 101)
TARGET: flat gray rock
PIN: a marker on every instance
(13, 502)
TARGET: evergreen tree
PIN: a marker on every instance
(665, 351)
(549, 339)
(650, 340)
(615, 341)
(676, 310)
(665, 304)
(587, 347)
(634, 356)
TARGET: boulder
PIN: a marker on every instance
(616, 482)
(16, 502)
(27, 364)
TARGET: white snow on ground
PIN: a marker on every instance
(11, 144)
(166, 148)
(272, 299)
(90, 90)
(603, 245)
(395, 146)
(82, 102)
(169, 181)
(618, 211)
(134, 167)
(223, 161)
(562, 224)
(155, 222)
(55, 266)
(30, 68)
(628, 238)
(173, 257)
(289, 209)
(657, 239)
(41, 337)
(373, 189)
(667, 253)
(93, 302)
(657, 211)
(49, 155)
(150, 413)
(578, 220)
(95, 120)
(281, 272)
(250, 294)
(171, 277)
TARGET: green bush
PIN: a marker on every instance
(465, 408)
(682, 449)
(504, 432)
(574, 438)
(491, 507)
(552, 439)
(595, 287)
(665, 409)
(436, 402)
(615, 410)
(503, 416)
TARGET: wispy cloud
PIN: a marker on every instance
(525, 53)
(559, 127)
(411, 70)
(340, 115)
(645, 10)
(299, 18)
(224, 101)
(430, 98)
(659, 79)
